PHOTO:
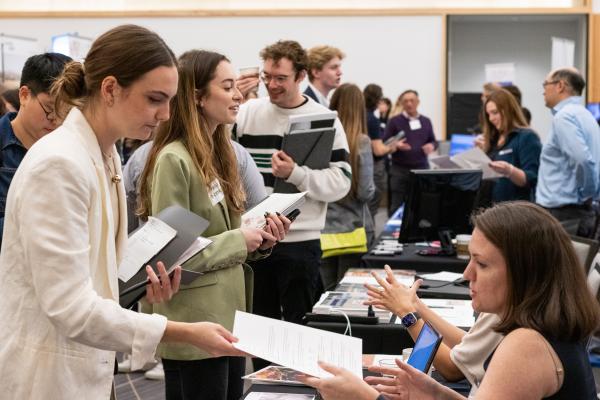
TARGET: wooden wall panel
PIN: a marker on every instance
(594, 59)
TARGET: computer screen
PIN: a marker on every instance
(594, 108)
(425, 348)
(460, 142)
(438, 201)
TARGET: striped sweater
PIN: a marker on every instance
(260, 128)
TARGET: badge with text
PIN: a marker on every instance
(505, 152)
(215, 193)
(415, 124)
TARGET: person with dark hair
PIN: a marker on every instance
(11, 100)
(192, 164)
(324, 72)
(513, 148)
(66, 231)
(411, 152)
(36, 117)
(569, 174)
(287, 283)
(516, 92)
(524, 270)
(384, 107)
(373, 94)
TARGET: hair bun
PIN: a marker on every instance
(69, 88)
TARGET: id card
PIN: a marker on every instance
(415, 124)
(215, 193)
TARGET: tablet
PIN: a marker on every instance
(425, 348)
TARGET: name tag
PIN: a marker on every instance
(215, 193)
(505, 152)
(414, 124)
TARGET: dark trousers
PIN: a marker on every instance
(578, 220)
(209, 379)
(380, 179)
(287, 283)
(399, 179)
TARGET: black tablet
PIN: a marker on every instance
(425, 348)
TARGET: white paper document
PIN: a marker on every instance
(296, 346)
(442, 276)
(457, 312)
(473, 158)
(301, 122)
(563, 53)
(199, 244)
(282, 203)
(500, 73)
(405, 279)
(144, 244)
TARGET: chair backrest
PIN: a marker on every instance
(586, 250)
(593, 279)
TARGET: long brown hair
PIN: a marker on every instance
(547, 288)
(212, 153)
(512, 117)
(126, 52)
(349, 103)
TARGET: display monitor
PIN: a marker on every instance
(438, 202)
(460, 142)
(594, 108)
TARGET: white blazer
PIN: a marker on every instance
(60, 321)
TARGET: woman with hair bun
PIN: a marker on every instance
(66, 230)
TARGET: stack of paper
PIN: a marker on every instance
(456, 312)
(474, 158)
(350, 303)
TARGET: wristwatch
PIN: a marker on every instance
(410, 319)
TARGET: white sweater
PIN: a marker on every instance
(260, 128)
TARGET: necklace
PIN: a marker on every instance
(108, 162)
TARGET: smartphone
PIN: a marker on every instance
(293, 214)
(425, 348)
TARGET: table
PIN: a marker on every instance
(410, 260)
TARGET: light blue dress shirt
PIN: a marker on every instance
(570, 161)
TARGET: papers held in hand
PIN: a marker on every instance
(474, 158)
(391, 141)
(283, 203)
(173, 237)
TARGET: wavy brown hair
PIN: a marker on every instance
(512, 117)
(212, 153)
(349, 103)
(547, 289)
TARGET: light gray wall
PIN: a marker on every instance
(526, 41)
(396, 52)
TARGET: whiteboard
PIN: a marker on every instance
(396, 52)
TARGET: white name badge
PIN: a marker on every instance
(414, 124)
(505, 151)
(215, 193)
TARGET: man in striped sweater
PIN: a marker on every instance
(286, 283)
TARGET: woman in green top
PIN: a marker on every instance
(192, 164)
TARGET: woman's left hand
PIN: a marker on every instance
(406, 383)
(502, 167)
(341, 386)
(163, 289)
(278, 226)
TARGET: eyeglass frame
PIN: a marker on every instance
(546, 83)
(46, 113)
(279, 79)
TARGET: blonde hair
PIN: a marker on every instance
(318, 56)
(349, 103)
(212, 153)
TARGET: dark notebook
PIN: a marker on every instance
(311, 148)
(188, 226)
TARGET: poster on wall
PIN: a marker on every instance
(72, 45)
(502, 73)
(14, 51)
(563, 53)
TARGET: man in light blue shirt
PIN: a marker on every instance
(569, 174)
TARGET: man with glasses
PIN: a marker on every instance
(35, 118)
(287, 283)
(569, 174)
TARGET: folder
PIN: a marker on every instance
(311, 148)
(189, 227)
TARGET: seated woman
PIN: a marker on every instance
(513, 147)
(524, 270)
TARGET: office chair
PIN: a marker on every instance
(586, 250)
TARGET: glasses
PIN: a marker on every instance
(50, 115)
(279, 79)
(546, 83)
